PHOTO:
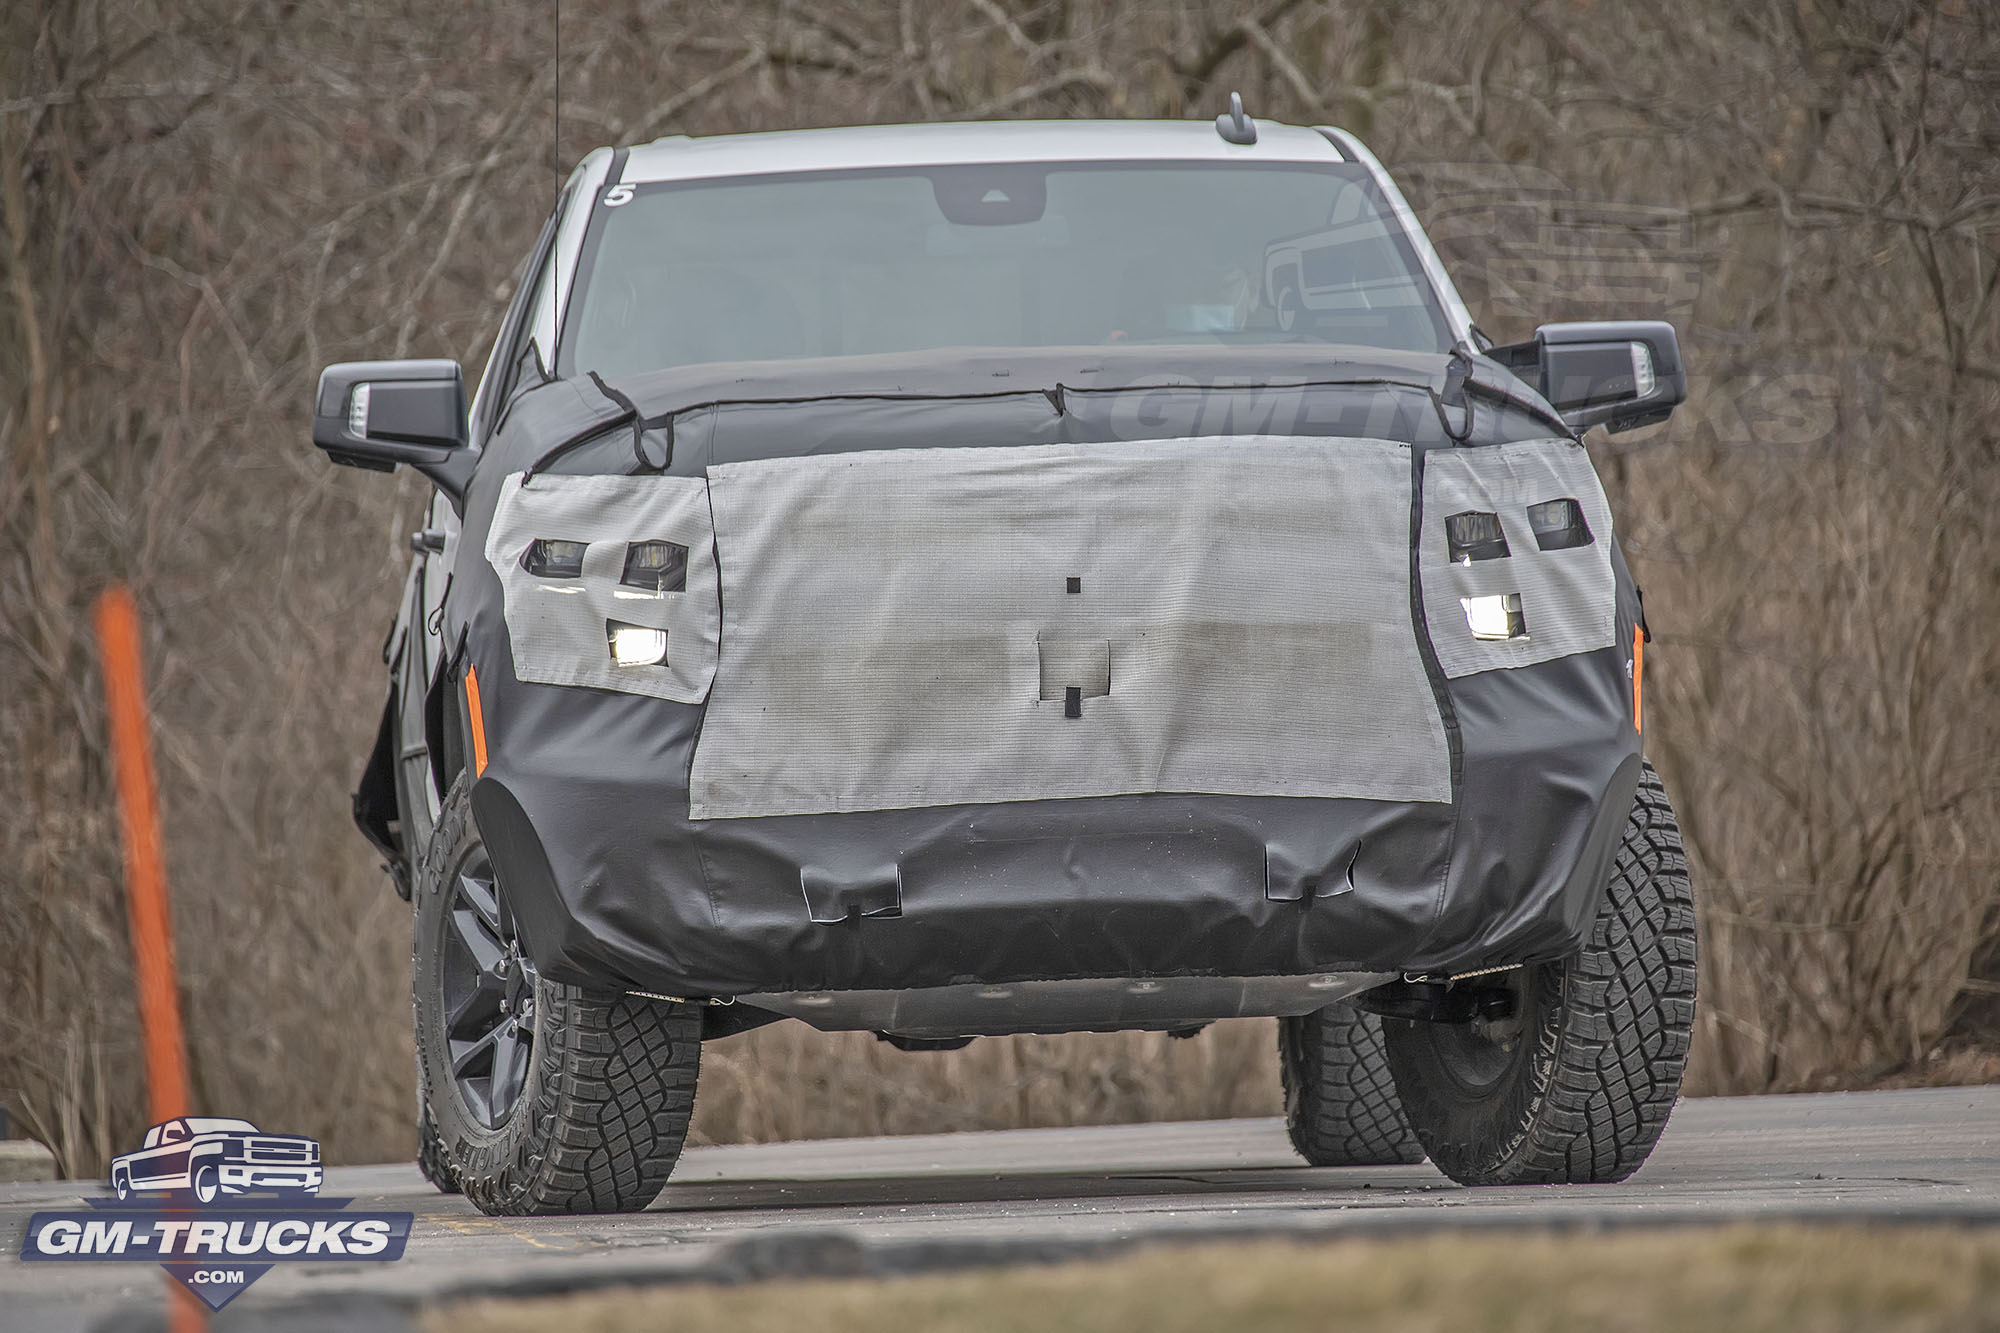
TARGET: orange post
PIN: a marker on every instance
(145, 871)
(145, 886)
(185, 1312)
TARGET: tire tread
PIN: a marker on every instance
(1609, 1067)
(608, 1099)
(1341, 1105)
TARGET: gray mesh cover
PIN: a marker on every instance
(557, 626)
(899, 631)
(1568, 598)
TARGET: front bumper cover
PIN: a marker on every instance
(267, 1175)
(614, 884)
(585, 801)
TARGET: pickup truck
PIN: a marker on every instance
(923, 580)
(209, 1156)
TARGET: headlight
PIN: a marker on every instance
(548, 558)
(656, 566)
(1474, 535)
(1558, 525)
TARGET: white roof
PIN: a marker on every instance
(684, 158)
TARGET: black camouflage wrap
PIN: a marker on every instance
(584, 799)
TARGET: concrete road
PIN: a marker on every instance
(900, 1205)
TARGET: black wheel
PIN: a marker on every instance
(207, 1183)
(430, 1153)
(1340, 1099)
(121, 1183)
(545, 1098)
(1576, 1084)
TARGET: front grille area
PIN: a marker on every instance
(280, 1150)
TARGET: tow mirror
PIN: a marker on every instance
(1620, 374)
(376, 414)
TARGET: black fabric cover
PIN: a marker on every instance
(584, 798)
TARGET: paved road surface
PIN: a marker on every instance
(887, 1205)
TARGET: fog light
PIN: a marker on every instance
(550, 559)
(357, 412)
(1495, 617)
(635, 645)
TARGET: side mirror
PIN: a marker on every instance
(376, 414)
(1620, 374)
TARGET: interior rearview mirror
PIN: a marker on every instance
(376, 414)
(1620, 374)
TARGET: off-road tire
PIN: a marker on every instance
(430, 1153)
(609, 1089)
(1581, 1095)
(1341, 1107)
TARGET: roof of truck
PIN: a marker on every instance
(872, 146)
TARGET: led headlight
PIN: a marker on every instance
(635, 645)
(1475, 535)
(1558, 525)
(656, 566)
(551, 559)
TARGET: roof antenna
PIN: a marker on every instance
(557, 154)
(1236, 127)
(555, 244)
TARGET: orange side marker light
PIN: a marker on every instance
(1638, 676)
(478, 719)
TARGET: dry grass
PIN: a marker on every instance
(1954, 1067)
(1742, 1279)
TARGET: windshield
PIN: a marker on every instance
(217, 1124)
(999, 256)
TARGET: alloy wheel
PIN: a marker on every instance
(489, 995)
